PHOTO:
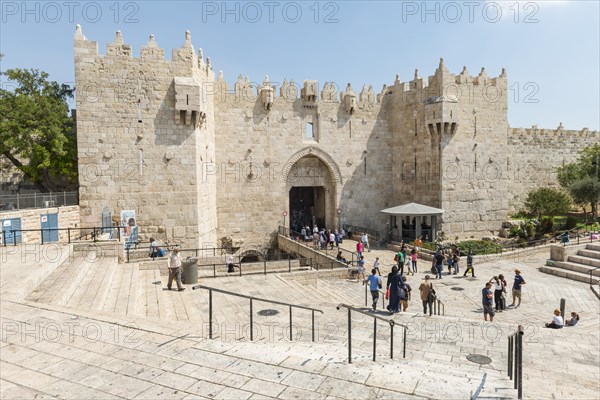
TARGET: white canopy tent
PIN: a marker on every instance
(417, 212)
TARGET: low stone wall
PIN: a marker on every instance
(310, 277)
(68, 217)
(208, 270)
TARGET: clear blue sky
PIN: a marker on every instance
(550, 49)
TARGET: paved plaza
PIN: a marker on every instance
(77, 326)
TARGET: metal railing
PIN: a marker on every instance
(252, 299)
(391, 322)
(10, 202)
(438, 307)
(557, 238)
(515, 357)
(367, 291)
(93, 233)
(359, 230)
(591, 272)
(350, 256)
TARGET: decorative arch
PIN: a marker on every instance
(316, 152)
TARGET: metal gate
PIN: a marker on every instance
(49, 225)
(11, 230)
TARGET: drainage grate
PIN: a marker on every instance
(268, 312)
(479, 359)
(457, 288)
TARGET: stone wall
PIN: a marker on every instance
(145, 126)
(68, 217)
(200, 160)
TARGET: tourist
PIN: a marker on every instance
(316, 239)
(230, 266)
(439, 263)
(574, 319)
(557, 321)
(516, 290)
(394, 283)
(342, 234)
(450, 262)
(470, 265)
(404, 301)
(175, 269)
(418, 243)
(332, 240)
(488, 302)
(359, 249)
(361, 269)
(341, 258)
(409, 268)
(365, 241)
(414, 255)
(427, 292)
(455, 260)
(374, 285)
(155, 249)
(338, 239)
(376, 266)
(499, 284)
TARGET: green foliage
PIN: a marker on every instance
(585, 191)
(546, 225)
(547, 201)
(583, 167)
(571, 222)
(479, 247)
(36, 132)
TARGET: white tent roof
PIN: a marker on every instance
(413, 209)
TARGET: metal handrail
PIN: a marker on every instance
(287, 232)
(391, 322)
(438, 307)
(252, 298)
(367, 295)
(515, 356)
(591, 272)
(95, 232)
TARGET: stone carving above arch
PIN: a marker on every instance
(321, 155)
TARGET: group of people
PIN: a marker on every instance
(322, 237)
(558, 322)
(495, 301)
(452, 260)
(397, 289)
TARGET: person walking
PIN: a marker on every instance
(365, 241)
(374, 286)
(455, 260)
(439, 263)
(516, 289)
(414, 255)
(407, 291)
(487, 302)
(426, 291)
(376, 266)
(360, 273)
(470, 265)
(394, 283)
(359, 249)
(175, 269)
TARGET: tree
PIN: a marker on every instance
(547, 201)
(36, 131)
(577, 177)
(586, 191)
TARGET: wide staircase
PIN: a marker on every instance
(583, 266)
(436, 364)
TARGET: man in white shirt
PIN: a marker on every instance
(175, 269)
(365, 240)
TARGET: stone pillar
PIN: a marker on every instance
(418, 223)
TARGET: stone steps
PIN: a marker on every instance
(568, 273)
(579, 259)
(589, 252)
(63, 282)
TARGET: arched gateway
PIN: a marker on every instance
(311, 183)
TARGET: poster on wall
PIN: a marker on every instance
(130, 228)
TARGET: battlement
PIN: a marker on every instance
(86, 51)
(559, 131)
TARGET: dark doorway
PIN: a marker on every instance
(307, 207)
